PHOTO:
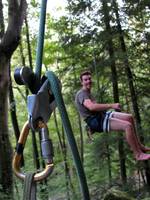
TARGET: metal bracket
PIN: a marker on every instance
(41, 105)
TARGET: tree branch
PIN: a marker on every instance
(16, 15)
(1, 20)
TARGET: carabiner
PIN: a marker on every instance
(19, 152)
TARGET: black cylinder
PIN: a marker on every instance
(23, 75)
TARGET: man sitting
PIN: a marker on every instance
(100, 119)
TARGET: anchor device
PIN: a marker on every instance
(40, 106)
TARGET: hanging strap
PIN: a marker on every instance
(29, 187)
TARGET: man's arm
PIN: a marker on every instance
(93, 106)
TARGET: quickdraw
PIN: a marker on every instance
(47, 152)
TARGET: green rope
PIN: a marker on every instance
(40, 43)
(29, 192)
(55, 87)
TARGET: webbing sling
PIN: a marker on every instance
(29, 192)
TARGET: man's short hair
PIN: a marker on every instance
(84, 73)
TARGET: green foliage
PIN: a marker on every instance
(73, 43)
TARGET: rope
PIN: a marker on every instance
(40, 42)
(29, 184)
(55, 87)
(29, 192)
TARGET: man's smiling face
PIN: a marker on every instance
(86, 82)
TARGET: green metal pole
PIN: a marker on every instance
(40, 43)
(55, 87)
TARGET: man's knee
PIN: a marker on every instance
(130, 117)
(128, 126)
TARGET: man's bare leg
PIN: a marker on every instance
(127, 127)
(129, 118)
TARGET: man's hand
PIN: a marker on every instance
(117, 107)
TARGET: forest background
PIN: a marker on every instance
(111, 40)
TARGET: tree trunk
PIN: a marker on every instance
(6, 179)
(8, 43)
(28, 44)
(13, 111)
(130, 82)
(2, 28)
(64, 152)
(115, 86)
(127, 69)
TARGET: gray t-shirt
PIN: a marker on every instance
(79, 100)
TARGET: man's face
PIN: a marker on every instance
(86, 81)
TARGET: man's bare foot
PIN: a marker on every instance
(142, 156)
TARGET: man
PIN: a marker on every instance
(99, 119)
